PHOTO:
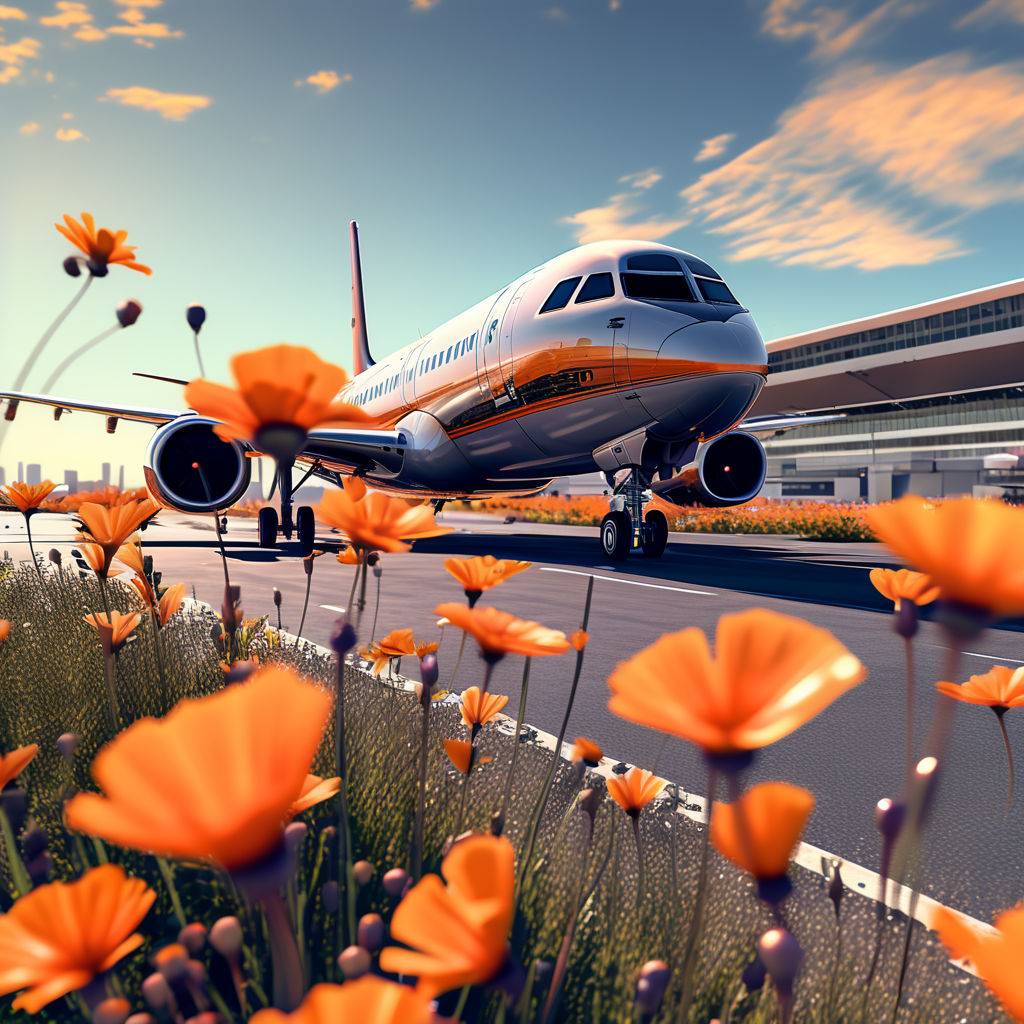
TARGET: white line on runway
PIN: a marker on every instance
(635, 583)
(333, 608)
(987, 657)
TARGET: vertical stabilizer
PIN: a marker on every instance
(361, 358)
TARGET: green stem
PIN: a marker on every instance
(461, 1004)
(284, 953)
(31, 549)
(458, 661)
(1000, 717)
(515, 741)
(167, 872)
(305, 600)
(421, 798)
(19, 875)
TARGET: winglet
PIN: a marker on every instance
(361, 358)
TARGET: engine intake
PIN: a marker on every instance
(727, 470)
(173, 451)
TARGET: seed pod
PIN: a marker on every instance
(395, 882)
(72, 267)
(226, 937)
(362, 872)
(193, 937)
(343, 639)
(195, 316)
(370, 933)
(354, 962)
(111, 1011)
(67, 744)
(650, 986)
(129, 312)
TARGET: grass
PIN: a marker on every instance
(51, 682)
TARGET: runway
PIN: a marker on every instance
(849, 756)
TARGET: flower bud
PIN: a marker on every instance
(129, 312)
(97, 268)
(15, 805)
(497, 823)
(378, 570)
(111, 1011)
(429, 671)
(354, 962)
(650, 986)
(395, 882)
(889, 817)
(330, 897)
(226, 937)
(370, 933)
(294, 835)
(277, 598)
(193, 937)
(141, 1018)
(72, 267)
(782, 956)
(55, 556)
(67, 744)
(343, 639)
(195, 316)
(836, 888)
(542, 970)
(372, 559)
(156, 992)
(362, 872)
(172, 962)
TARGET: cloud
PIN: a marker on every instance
(8, 72)
(832, 30)
(423, 5)
(70, 13)
(641, 179)
(69, 135)
(620, 217)
(14, 55)
(173, 106)
(139, 3)
(994, 10)
(11, 13)
(868, 170)
(556, 13)
(324, 81)
(714, 147)
(67, 116)
(30, 128)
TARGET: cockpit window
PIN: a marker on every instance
(716, 291)
(664, 287)
(597, 286)
(658, 261)
(700, 267)
(561, 294)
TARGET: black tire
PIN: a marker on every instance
(305, 529)
(268, 527)
(617, 535)
(654, 537)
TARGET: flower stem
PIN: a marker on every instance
(305, 600)
(376, 609)
(19, 876)
(167, 873)
(465, 794)
(909, 648)
(74, 356)
(635, 818)
(458, 661)
(421, 800)
(284, 953)
(1000, 717)
(31, 549)
(515, 742)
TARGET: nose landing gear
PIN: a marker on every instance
(626, 527)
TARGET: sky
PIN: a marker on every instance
(832, 159)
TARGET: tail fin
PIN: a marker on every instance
(361, 358)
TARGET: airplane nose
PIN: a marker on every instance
(736, 341)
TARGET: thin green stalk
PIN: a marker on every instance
(515, 742)
(305, 600)
(31, 549)
(635, 818)
(155, 624)
(465, 793)
(421, 797)
(458, 661)
(461, 1004)
(19, 874)
(1000, 717)
(905, 959)
(167, 873)
(376, 609)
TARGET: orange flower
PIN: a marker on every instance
(482, 572)
(774, 815)
(770, 674)
(903, 584)
(579, 639)
(458, 934)
(131, 555)
(284, 392)
(374, 521)
(57, 938)
(170, 602)
(102, 247)
(479, 708)
(216, 778)
(368, 1000)
(972, 549)
(315, 790)
(397, 643)
(460, 753)
(27, 498)
(5, 629)
(587, 751)
(13, 763)
(997, 958)
(425, 647)
(634, 790)
(95, 557)
(348, 556)
(999, 688)
(114, 629)
(110, 527)
(499, 633)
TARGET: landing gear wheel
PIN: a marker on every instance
(617, 535)
(268, 527)
(654, 536)
(305, 527)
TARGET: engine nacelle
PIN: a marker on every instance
(170, 472)
(727, 470)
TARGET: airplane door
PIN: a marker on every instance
(505, 351)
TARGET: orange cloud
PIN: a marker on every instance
(831, 29)
(714, 147)
(994, 10)
(620, 217)
(423, 5)
(30, 128)
(11, 13)
(15, 54)
(69, 134)
(8, 72)
(641, 179)
(70, 13)
(172, 106)
(855, 174)
(325, 81)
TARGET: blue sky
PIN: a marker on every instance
(832, 159)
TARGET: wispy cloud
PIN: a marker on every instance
(832, 30)
(11, 13)
(423, 5)
(711, 149)
(76, 17)
(138, 27)
(624, 215)
(324, 81)
(866, 170)
(30, 128)
(69, 135)
(994, 10)
(14, 55)
(173, 106)
(641, 179)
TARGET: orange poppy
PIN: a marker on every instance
(348, 556)
(95, 557)
(770, 674)
(579, 639)
(997, 958)
(499, 633)
(110, 527)
(27, 498)
(102, 247)
(283, 392)
(131, 555)
(14, 762)
(458, 933)
(375, 655)
(376, 522)
(903, 584)
(216, 778)
(367, 1000)
(425, 647)
(481, 572)
(774, 815)
(586, 750)
(5, 629)
(315, 790)
(460, 753)
(972, 549)
(170, 601)
(57, 938)
(114, 629)
(479, 708)
(634, 790)
(397, 643)
(1000, 687)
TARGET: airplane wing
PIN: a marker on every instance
(135, 414)
(777, 424)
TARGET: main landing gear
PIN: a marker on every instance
(627, 527)
(270, 525)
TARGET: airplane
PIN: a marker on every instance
(628, 357)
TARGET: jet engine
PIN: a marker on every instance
(727, 470)
(174, 453)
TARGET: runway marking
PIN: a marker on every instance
(634, 583)
(333, 608)
(974, 654)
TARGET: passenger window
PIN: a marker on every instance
(700, 267)
(666, 287)
(597, 286)
(561, 294)
(448, 357)
(433, 361)
(654, 261)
